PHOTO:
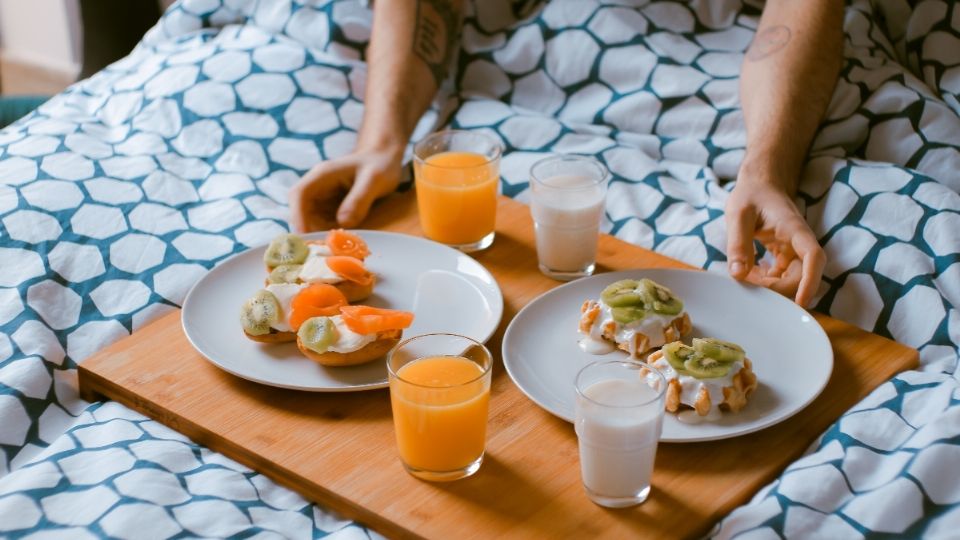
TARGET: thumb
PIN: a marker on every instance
(741, 225)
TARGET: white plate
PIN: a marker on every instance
(446, 290)
(791, 354)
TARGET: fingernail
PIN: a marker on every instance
(345, 219)
(736, 267)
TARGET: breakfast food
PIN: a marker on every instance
(306, 300)
(634, 315)
(357, 335)
(709, 377)
(337, 260)
(275, 313)
(325, 328)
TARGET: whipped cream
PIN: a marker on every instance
(651, 326)
(284, 292)
(318, 250)
(315, 269)
(347, 339)
(591, 345)
(690, 386)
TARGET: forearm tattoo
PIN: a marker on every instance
(768, 41)
(435, 35)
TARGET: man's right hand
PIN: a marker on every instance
(340, 192)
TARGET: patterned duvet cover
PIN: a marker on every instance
(118, 194)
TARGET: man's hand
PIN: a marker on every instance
(763, 211)
(341, 191)
(411, 45)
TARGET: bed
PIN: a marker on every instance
(118, 194)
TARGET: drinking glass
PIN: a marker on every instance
(456, 173)
(567, 195)
(619, 417)
(440, 394)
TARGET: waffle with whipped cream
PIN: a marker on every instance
(710, 376)
(633, 315)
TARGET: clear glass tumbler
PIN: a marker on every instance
(440, 394)
(619, 417)
(457, 173)
(567, 196)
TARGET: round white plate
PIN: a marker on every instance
(446, 290)
(791, 354)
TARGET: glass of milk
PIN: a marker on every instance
(619, 416)
(567, 194)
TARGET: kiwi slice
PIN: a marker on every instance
(317, 334)
(285, 273)
(659, 298)
(722, 351)
(704, 367)
(622, 293)
(677, 354)
(626, 315)
(286, 249)
(259, 312)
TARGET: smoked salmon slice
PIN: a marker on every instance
(347, 244)
(350, 269)
(317, 300)
(370, 320)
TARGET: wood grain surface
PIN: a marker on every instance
(339, 449)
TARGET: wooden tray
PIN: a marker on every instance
(339, 449)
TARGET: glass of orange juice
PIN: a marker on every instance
(456, 174)
(440, 393)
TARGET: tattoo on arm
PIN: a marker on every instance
(435, 35)
(768, 41)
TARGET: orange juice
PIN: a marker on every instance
(457, 196)
(440, 412)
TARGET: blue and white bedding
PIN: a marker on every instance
(121, 192)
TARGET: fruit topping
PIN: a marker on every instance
(622, 293)
(659, 298)
(704, 367)
(259, 312)
(318, 334)
(722, 351)
(677, 354)
(626, 315)
(286, 249)
(285, 273)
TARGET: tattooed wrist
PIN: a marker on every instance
(768, 41)
(437, 26)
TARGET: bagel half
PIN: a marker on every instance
(275, 336)
(371, 351)
(356, 292)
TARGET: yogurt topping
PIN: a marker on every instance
(315, 270)
(591, 345)
(690, 385)
(320, 250)
(347, 339)
(284, 293)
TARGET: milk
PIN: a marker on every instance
(618, 428)
(566, 211)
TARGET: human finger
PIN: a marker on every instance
(787, 282)
(313, 200)
(356, 204)
(814, 259)
(741, 226)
